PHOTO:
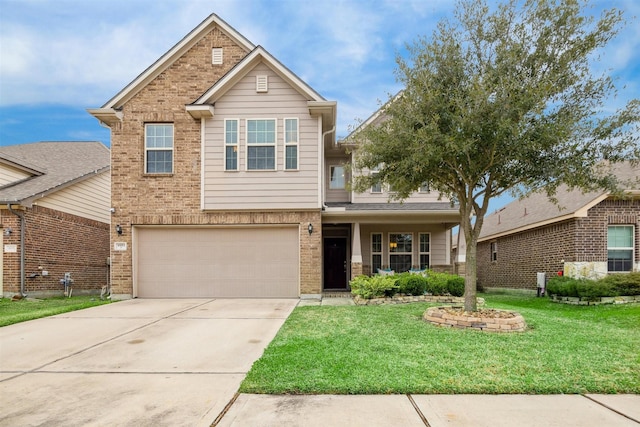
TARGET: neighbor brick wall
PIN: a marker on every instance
(522, 255)
(58, 242)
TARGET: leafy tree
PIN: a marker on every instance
(502, 100)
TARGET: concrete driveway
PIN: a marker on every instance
(140, 362)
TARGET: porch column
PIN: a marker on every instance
(356, 251)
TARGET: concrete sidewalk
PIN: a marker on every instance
(250, 410)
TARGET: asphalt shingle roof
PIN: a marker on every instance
(537, 209)
(55, 164)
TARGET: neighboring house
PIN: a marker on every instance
(227, 182)
(54, 214)
(589, 235)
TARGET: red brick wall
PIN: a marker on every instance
(522, 255)
(59, 243)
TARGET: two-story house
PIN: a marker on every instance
(227, 181)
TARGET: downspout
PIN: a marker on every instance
(22, 227)
(333, 129)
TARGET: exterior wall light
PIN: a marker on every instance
(310, 228)
(119, 229)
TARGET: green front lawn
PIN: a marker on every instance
(27, 309)
(390, 349)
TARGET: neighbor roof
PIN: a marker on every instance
(52, 165)
(537, 210)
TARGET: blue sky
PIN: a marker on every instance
(58, 58)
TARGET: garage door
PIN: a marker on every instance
(174, 262)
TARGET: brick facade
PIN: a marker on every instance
(55, 242)
(545, 249)
(175, 199)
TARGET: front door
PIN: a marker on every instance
(335, 263)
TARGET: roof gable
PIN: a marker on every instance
(59, 164)
(203, 106)
(257, 56)
(174, 54)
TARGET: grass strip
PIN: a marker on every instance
(390, 349)
(28, 309)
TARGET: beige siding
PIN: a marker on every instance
(335, 195)
(438, 241)
(277, 189)
(9, 174)
(90, 199)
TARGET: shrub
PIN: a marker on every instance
(373, 287)
(437, 283)
(455, 286)
(624, 284)
(611, 286)
(411, 284)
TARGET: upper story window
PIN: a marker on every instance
(291, 144)
(620, 248)
(261, 144)
(231, 144)
(424, 188)
(158, 148)
(377, 187)
(336, 178)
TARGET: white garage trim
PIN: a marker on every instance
(216, 261)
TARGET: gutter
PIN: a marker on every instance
(22, 234)
(322, 182)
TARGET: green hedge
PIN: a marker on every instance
(611, 286)
(430, 282)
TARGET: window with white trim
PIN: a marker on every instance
(231, 144)
(158, 148)
(290, 144)
(336, 178)
(261, 144)
(620, 247)
(376, 252)
(425, 250)
(494, 251)
(424, 188)
(400, 251)
(377, 187)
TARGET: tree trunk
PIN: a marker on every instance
(470, 277)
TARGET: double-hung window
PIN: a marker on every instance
(377, 187)
(400, 251)
(425, 250)
(231, 144)
(261, 144)
(290, 144)
(493, 247)
(158, 148)
(620, 248)
(376, 252)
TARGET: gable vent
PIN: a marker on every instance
(262, 84)
(216, 56)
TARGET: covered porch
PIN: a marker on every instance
(361, 238)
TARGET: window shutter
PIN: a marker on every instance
(262, 84)
(216, 56)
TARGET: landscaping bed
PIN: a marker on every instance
(490, 320)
